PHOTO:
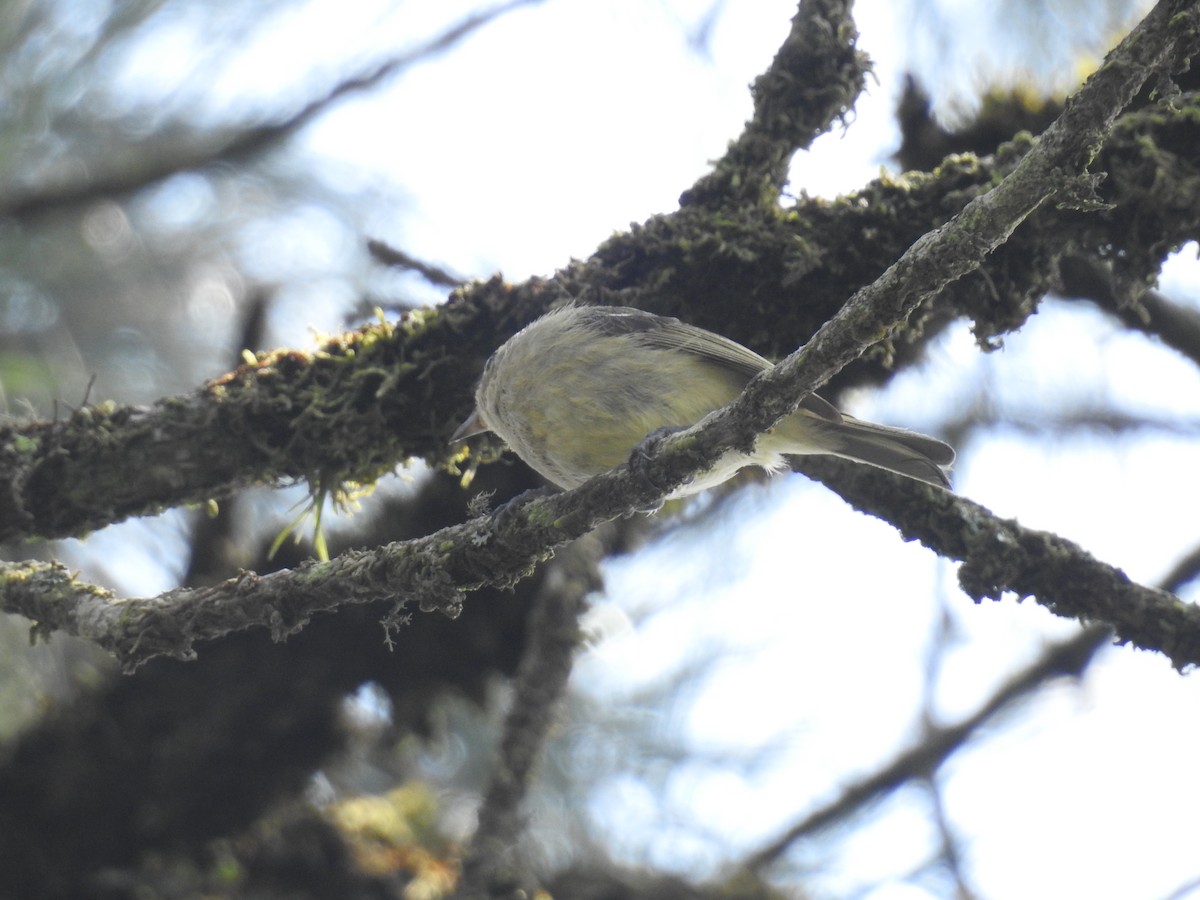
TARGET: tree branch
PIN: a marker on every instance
(813, 80)
(397, 258)
(349, 411)
(1184, 571)
(1000, 556)
(1150, 313)
(539, 684)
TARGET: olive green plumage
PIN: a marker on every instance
(576, 391)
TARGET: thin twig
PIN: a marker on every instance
(434, 274)
(539, 685)
(921, 761)
(1183, 572)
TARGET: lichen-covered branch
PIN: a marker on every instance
(348, 411)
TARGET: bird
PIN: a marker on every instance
(577, 391)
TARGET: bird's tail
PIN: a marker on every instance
(895, 449)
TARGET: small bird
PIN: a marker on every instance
(574, 393)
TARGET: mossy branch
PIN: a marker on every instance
(813, 81)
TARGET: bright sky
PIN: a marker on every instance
(560, 124)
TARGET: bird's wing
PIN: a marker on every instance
(666, 333)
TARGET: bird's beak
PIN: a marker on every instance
(472, 426)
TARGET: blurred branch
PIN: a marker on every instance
(983, 413)
(1186, 891)
(205, 150)
(925, 143)
(391, 256)
(574, 574)
(921, 761)
(949, 857)
(1182, 572)
(1148, 312)
(178, 755)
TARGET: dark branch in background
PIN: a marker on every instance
(489, 866)
(1183, 572)
(1066, 658)
(1148, 312)
(237, 147)
(950, 856)
(391, 256)
(999, 555)
(812, 82)
(925, 142)
(179, 755)
(1184, 891)
(982, 414)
